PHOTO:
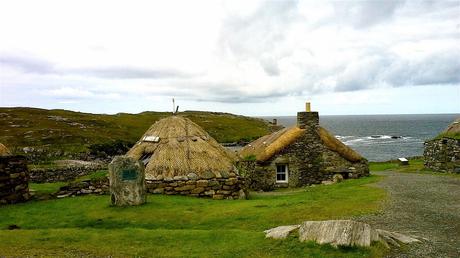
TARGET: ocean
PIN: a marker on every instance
(382, 137)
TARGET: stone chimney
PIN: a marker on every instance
(275, 121)
(308, 119)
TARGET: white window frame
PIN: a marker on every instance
(286, 171)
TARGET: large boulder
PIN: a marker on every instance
(280, 232)
(338, 233)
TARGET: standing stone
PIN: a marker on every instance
(127, 181)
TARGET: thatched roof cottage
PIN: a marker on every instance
(443, 152)
(181, 158)
(300, 155)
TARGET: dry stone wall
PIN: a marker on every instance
(333, 163)
(216, 188)
(442, 155)
(86, 187)
(61, 174)
(14, 179)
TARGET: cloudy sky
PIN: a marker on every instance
(244, 57)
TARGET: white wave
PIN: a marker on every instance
(340, 137)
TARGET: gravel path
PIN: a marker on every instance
(425, 206)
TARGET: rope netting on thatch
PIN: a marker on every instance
(4, 151)
(183, 147)
(265, 147)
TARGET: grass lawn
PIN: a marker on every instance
(415, 166)
(185, 226)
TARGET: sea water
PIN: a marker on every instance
(382, 137)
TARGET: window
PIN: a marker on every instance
(281, 173)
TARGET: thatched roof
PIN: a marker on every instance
(4, 151)
(182, 147)
(265, 147)
(453, 128)
(336, 145)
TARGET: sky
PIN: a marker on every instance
(246, 57)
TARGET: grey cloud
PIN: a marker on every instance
(40, 66)
(259, 33)
(126, 72)
(435, 69)
(270, 66)
(228, 93)
(366, 13)
(27, 64)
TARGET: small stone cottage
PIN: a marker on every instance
(301, 155)
(443, 152)
(181, 158)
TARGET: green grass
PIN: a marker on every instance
(185, 226)
(382, 166)
(415, 165)
(74, 132)
(96, 175)
(50, 188)
(46, 188)
(448, 135)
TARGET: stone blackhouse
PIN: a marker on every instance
(181, 158)
(301, 155)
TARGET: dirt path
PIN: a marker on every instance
(422, 205)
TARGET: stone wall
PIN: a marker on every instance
(232, 187)
(61, 174)
(216, 188)
(14, 179)
(257, 177)
(333, 163)
(442, 155)
(86, 187)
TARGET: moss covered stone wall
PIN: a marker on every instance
(442, 155)
(14, 179)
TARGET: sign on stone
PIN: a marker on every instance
(129, 174)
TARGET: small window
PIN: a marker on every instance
(281, 173)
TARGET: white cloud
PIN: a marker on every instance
(69, 94)
(223, 52)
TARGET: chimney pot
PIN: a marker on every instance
(307, 107)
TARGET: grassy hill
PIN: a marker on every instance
(73, 132)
